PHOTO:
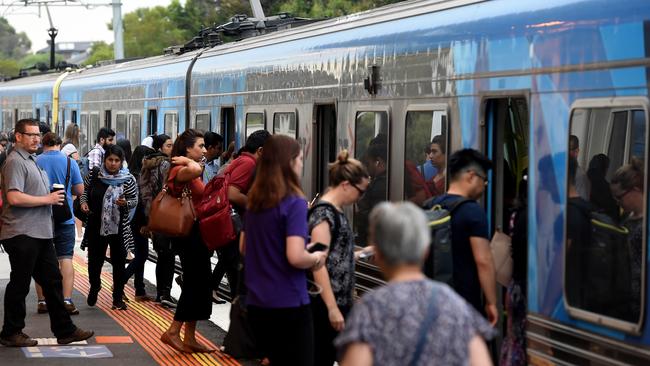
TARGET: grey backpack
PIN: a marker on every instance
(439, 264)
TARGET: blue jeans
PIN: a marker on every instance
(64, 237)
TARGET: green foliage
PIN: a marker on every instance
(100, 51)
(148, 31)
(31, 60)
(12, 45)
(328, 8)
(9, 67)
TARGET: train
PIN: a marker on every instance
(513, 79)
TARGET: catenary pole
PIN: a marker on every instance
(118, 31)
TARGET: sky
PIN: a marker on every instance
(75, 24)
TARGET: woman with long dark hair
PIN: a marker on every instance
(110, 194)
(273, 243)
(195, 302)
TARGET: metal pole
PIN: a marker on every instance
(118, 32)
(258, 12)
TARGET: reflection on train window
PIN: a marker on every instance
(371, 148)
(254, 122)
(120, 126)
(425, 155)
(86, 138)
(605, 228)
(202, 122)
(135, 126)
(25, 114)
(171, 125)
(7, 121)
(285, 124)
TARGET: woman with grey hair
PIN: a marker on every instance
(412, 320)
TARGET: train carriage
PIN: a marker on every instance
(513, 79)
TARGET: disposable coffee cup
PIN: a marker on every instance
(57, 187)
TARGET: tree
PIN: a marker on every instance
(9, 67)
(12, 45)
(148, 31)
(100, 51)
(33, 59)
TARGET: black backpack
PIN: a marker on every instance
(439, 264)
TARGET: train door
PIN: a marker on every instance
(325, 144)
(228, 124)
(506, 144)
(152, 122)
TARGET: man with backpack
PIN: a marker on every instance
(105, 137)
(242, 172)
(473, 266)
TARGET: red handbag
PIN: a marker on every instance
(216, 214)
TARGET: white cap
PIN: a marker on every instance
(69, 149)
(148, 142)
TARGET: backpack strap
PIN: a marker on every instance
(337, 219)
(456, 203)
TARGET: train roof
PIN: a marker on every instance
(383, 14)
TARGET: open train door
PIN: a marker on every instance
(505, 142)
(324, 141)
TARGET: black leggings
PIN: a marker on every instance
(96, 255)
(285, 335)
(195, 302)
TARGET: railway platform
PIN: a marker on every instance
(130, 337)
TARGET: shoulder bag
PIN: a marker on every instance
(62, 213)
(172, 216)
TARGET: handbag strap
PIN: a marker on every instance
(67, 176)
(431, 316)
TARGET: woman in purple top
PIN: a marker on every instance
(273, 243)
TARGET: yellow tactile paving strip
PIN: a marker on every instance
(145, 322)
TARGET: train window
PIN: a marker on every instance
(371, 148)
(604, 268)
(228, 124)
(120, 126)
(37, 114)
(135, 127)
(171, 125)
(425, 155)
(73, 117)
(254, 122)
(202, 121)
(285, 124)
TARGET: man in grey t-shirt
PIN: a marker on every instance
(27, 200)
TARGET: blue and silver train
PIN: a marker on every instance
(511, 78)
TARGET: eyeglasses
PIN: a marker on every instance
(484, 177)
(31, 135)
(361, 191)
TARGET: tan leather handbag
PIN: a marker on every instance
(172, 216)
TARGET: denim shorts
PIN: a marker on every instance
(64, 239)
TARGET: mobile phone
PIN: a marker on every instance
(318, 247)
